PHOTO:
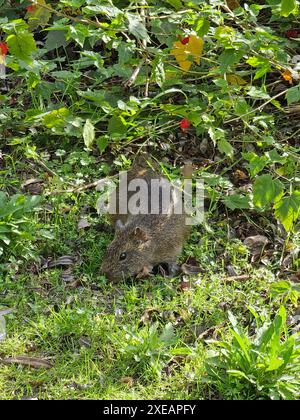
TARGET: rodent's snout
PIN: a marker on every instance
(109, 274)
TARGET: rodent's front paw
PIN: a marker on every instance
(145, 272)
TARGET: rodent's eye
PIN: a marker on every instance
(123, 256)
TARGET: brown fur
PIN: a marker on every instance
(148, 240)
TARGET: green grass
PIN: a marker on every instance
(97, 334)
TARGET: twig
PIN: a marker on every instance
(236, 278)
(75, 189)
(259, 108)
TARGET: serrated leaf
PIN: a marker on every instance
(88, 134)
(287, 210)
(21, 45)
(266, 190)
(237, 201)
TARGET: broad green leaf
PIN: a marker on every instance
(256, 162)
(288, 7)
(21, 45)
(227, 58)
(56, 39)
(175, 3)
(56, 117)
(79, 33)
(266, 190)
(287, 210)
(88, 134)
(237, 201)
(293, 94)
(136, 27)
(102, 143)
(225, 147)
(202, 26)
(116, 126)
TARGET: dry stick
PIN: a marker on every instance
(259, 108)
(79, 189)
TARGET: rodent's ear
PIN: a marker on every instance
(119, 225)
(140, 234)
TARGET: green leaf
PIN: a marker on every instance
(55, 118)
(225, 147)
(237, 201)
(102, 143)
(88, 134)
(56, 39)
(266, 190)
(79, 33)
(175, 3)
(202, 26)
(256, 163)
(159, 72)
(287, 210)
(136, 27)
(227, 58)
(21, 45)
(293, 94)
(116, 126)
(288, 7)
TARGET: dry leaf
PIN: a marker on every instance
(83, 224)
(128, 380)
(233, 4)
(182, 52)
(29, 361)
(287, 75)
(256, 244)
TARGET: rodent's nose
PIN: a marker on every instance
(109, 275)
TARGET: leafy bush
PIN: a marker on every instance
(15, 223)
(264, 364)
(111, 73)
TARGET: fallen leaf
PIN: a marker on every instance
(147, 315)
(287, 75)
(83, 224)
(191, 269)
(128, 380)
(233, 4)
(28, 361)
(61, 261)
(256, 244)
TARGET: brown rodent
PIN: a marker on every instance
(144, 240)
